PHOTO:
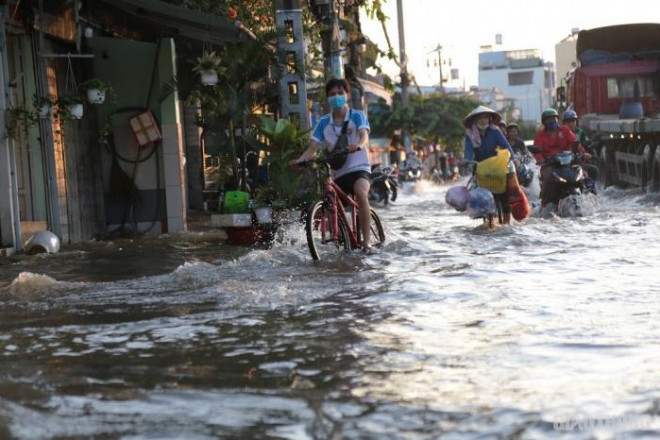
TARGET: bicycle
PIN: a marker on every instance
(327, 225)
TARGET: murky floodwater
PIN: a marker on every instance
(451, 332)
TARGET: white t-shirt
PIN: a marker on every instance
(327, 132)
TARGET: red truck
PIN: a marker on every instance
(616, 91)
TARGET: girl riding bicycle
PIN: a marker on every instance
(354, 176)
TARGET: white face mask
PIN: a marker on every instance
(482, 126)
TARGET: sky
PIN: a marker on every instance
(462, 27)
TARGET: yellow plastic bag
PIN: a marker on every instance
(491, 172)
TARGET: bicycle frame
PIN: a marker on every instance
(333, 195)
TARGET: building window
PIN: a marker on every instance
(521, 78)
(624, 87)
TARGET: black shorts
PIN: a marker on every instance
(347, 181)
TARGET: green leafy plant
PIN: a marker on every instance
(284, 142)
(102, 86)
(17, 120)
(71, 98)
(208, 61)
(65, 102)
(42, 102)
(96, 83)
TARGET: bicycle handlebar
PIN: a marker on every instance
(323, 160)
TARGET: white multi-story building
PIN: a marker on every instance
(523, 77)
(565, 55)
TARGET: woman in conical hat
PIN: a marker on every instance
(482, 138)
(479, 111)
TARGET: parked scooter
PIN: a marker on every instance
(391, 174)
(383, 185)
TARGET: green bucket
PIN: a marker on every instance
(236, 202)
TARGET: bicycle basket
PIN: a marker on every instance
(491, 172)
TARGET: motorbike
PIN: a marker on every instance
(411, 174)
(524, 172)
(390, 172)
(383, 185)
(569, 185)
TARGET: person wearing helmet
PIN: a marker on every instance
(570, 119)
(412, 169)
(550, 140)
(482, 139)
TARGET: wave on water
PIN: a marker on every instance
(29, 285)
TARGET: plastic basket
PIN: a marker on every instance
(236, 202)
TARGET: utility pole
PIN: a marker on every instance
(439, 50)
(402, 54)
(404, 69)
(293, 88)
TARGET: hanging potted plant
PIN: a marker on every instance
(43, 106)
(207, 67)
(70, 105)
(96, 90)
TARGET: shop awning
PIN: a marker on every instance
(186, 22)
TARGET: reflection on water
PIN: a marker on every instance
(455, 331)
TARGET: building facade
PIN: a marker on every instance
(91, 175)
(525, 80)
(565, 56)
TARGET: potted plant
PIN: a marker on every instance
(96, 90)
(43, 106)
(285, 142)
(208, 66)
(264, 199)
(70, 105)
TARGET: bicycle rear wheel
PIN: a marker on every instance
(321, 237)
(377, 235)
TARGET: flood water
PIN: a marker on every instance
(546, 329)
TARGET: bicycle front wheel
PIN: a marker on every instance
(377, 234)
(322, 239)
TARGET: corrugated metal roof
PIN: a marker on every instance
(189, 23)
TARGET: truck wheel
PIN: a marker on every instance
(647, 163)
(606, 168)
(655, 181)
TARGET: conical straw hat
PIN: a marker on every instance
(478, 111)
